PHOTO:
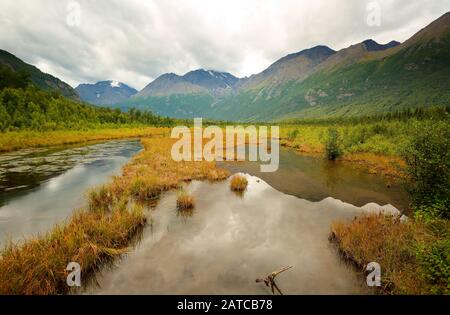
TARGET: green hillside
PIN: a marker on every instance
(363, 79)
(42, 80)
(34, 109)
(177, 105)
(415, 74)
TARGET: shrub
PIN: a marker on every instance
(333, 144)
(292, 134)
(428, 166)
(435, 262)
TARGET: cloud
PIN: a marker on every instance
(135, 41)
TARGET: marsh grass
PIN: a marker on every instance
(185, 201)
(92, 239)
(15, 140)
(397, 248)
(97, 235)
(238, 183)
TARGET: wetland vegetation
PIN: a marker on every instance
(414, 254)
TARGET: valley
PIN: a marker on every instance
(350, 168)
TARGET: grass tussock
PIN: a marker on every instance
(185, 201)
(153, 171)
(414, 256)
(238, 183)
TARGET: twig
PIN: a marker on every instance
(269, 280)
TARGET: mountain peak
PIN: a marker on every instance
(435, 31)
(115, 84)
(210, 79)
(318, 52)
(105, 92)
(199, 81)
(372, 45)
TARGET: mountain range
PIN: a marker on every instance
(363, 79)
(105, 92)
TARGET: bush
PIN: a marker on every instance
(333, 144)
(428, 166)
(435, 262)
(292, 135)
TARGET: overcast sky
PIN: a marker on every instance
(135, 41)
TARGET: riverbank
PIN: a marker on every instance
(386, 165)
(102, 231)
(413, 255)
(12, 141)
(376, 147)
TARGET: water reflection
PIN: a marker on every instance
(34, 198)
(314, 178)
(231, 241)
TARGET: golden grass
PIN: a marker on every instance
(238, 183)
(153, 171)
(11, 141)
(185, 201)
(101, 232)
(89, 238)
(392, 244)
(389, 166)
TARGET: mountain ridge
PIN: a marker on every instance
(195, 81)
(364, 78)
(42, 80)
(105, 92)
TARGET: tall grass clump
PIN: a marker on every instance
(185, 201)
(238, 183)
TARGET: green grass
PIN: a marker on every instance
(377, 136)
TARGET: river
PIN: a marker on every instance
(227, 242)
(230, 240)
(42, 187)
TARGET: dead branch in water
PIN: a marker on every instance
(269, 280)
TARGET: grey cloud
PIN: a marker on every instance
(135, 41)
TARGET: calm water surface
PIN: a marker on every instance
(39, 188)
(314, 178)
(229, 241)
